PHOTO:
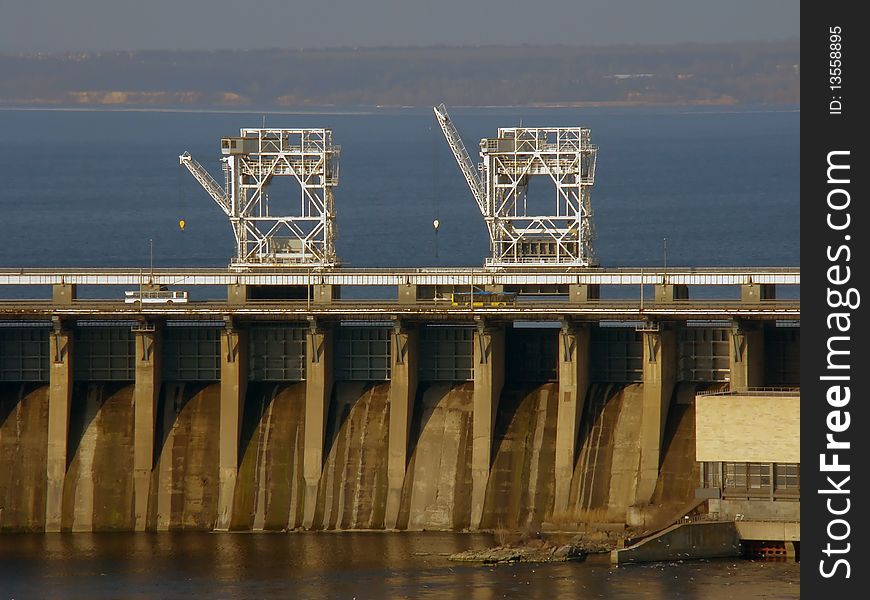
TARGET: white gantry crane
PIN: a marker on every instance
(280, 231)
(519, 235)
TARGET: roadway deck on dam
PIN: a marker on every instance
(430, 311)
(453, 276)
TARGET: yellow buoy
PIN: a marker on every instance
(181, 224)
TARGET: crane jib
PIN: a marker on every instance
(541, 232)
(218, 194)
(462, 157)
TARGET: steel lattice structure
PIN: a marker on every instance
(264, 239)
(518, 236)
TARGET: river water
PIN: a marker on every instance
(347, 565)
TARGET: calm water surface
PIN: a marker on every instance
(346, 565)
(91, 188)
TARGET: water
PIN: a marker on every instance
(91, 188)
(346, 565)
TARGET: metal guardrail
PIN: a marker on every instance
(752, 391)
(718, 518)
(702, 518)
(458, 276)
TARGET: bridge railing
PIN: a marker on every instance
(751, 391)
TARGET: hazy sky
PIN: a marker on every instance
(62, 25)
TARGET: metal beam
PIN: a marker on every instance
(429, 311)
(393, 277)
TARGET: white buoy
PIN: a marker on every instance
(436, 224)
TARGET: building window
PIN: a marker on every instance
(735, 476)
(754, 480)
(711, 475)
(787, 479)
(758, 476)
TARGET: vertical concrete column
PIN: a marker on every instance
(659, 378)
(407, 293)
(59, 400)
(746, 354)
(757, 292)
(146, 394)
(324, 293)
(63, 293)
(581, 292)
(573, 385)
(403, 391)
(234, 380)
(666, 293)
(318, 390)
(790, 552)
(237, 294)
(488, 383)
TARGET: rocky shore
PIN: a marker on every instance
(542, 548)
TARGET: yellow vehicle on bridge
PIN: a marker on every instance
(481, 299)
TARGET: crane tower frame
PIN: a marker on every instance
(306, 237)
(519, 235)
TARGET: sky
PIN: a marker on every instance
(104, 25)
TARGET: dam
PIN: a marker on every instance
(287, 391)
(408, 413)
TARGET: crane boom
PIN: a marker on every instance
(208, 182)
(461, 155)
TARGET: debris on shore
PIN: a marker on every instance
(510, 554)
(540, 550)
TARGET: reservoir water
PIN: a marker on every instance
(91, 188)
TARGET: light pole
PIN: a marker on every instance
(641, 289)
(665, 252)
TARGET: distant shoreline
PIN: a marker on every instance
(730, 74)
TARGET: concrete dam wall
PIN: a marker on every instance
(269, 490)
(23, 442)
(449, 429)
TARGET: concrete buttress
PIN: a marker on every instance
(573, 385)
(59, 400)
(659, 379)
(489, 342)
(146, 394)
(746, 353)
(234, 379)
(403, 391)
(318, 390)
